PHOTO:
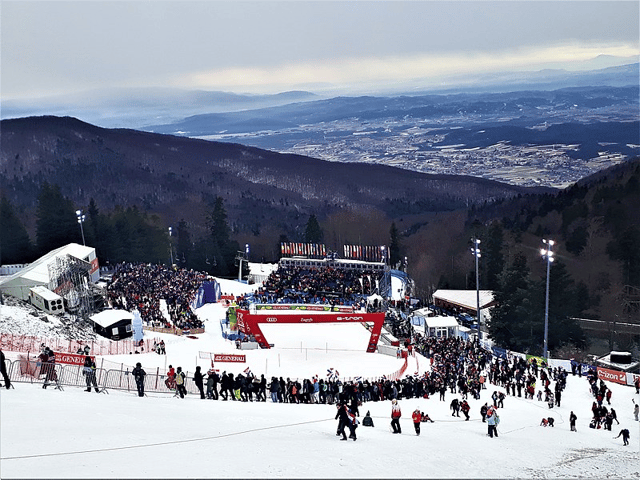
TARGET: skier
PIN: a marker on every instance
(572, 421)
(625, 436)
(139, 374)
(395, 416)
(416, 416)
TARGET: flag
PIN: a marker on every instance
(247, 372)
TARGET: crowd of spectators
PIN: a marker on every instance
(142, 286)
(318, 285)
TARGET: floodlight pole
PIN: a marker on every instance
(80, 216)
(548, 255)
(170, 246)
(476, 253)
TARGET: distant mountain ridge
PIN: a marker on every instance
(179, 177)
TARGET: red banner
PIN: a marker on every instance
(615, 376)
(70, 358)
(229, 357)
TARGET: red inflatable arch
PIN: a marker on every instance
(249, 322)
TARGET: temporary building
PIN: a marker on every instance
(113, 324)
(38, 273)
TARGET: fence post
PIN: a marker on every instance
(157, 375)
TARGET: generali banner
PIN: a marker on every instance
(70, 358)
(609, 375)
(229, 357)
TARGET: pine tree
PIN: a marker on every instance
(313, 233)
(514, 323)
(394, 245)
(494, 259)
(56, 224)
(15, 245)
(184, 246)
(223, 248)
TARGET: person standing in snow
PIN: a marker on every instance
(139, 374)
(455, 406)
(492, 420)
(3, 371)
(89, 371)
(180, 380)
(395, 416)
(416, 416)
(198, 379)
(636, 410)
(483, 412)
(572, 421)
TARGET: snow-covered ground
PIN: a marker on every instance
(75, 434)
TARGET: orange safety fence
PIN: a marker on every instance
(25, 343)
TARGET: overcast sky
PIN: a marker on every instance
(52, 47)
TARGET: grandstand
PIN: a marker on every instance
(312, 285)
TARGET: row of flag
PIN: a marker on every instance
(308, 249)
(368, 253)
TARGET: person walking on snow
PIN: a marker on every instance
(139, 374)
(416, 416)
(572, 421)
(625, 436)
(465, 409)
(395, 416)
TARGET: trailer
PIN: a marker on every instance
(46, 300)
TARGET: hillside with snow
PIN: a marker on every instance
(74, 434)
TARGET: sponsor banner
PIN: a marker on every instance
(94, 265)
(70, 358)
(310, 308)
(308, 317)
(609, 375)
(229, 357)
(631, 378)
(539, 360)
(499, 352)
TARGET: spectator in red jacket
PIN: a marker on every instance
(416, 416)
(395, 416)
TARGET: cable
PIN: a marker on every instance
(158, 444)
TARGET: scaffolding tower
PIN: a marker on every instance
(69, 278)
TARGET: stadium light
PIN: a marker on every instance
(170, 247)
(547, 254)
(80, 216)
(475, 250)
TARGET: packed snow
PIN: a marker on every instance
(74, 434)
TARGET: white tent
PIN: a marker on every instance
(37, 273)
